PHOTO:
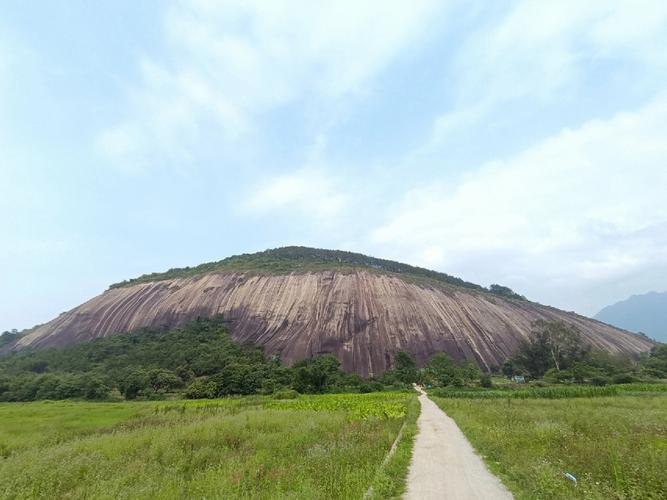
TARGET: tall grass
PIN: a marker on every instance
(46, 423)
(556, 392)
(615, 446)
(390, 480)
(236, 448)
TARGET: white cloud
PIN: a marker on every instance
(585, 206)
(539, 47)
(309, 191)
(230, 61)
(274, 50)
(541, 50)
(166, 117)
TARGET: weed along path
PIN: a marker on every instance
(444, 464)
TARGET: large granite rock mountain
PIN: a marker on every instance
(299, 302)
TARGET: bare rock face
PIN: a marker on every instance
(362, 317)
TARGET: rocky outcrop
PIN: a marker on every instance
(361, 316)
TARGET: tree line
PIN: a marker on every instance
(556, 352)
(200, 360)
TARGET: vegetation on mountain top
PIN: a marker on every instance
(303, 259)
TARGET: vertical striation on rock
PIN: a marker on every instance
(361, 316)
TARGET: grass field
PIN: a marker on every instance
(616, 446)
(326, 446)
(329, 446)
(551, 392)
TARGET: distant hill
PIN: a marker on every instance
(299, 302)
(645, 313)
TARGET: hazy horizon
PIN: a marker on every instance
(521, 144)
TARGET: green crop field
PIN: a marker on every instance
(325, 446)
(329, 446)
(616, 446)
(552, 392)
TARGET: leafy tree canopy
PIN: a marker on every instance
(551, 345)
(198, 360)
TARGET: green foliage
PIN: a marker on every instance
(556, 352)
(510, 368)
(315, 375)
(286, 394)
(8, 337)
(390, 479)
(600, 380)
(505, 291)
(301, 259)
(11, 336)
(624, 378)
(145, 364)
(615, 446)
(201, 389)
(199, 360)
(405, 368)
(485, 381)
(553, 392)
(247, 447)
(609, 363)
(359, 406)
(239, 378)
(163, 380)
(655, 364)
(441, 370)
(552, 345)
(469, 371)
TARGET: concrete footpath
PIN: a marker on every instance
(444, 464)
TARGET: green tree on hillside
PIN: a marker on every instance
(655, 363)
(442, 370)
(405, 367)
(505, 291)
(556, 345)
(163, 380)
(314, 375)
(8, 337)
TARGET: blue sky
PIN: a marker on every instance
(523, 143)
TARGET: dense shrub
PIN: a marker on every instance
(624, 378)
(556, 352)
(201, 389)
(655, 363)
(551, 346)
(286, 394)
(554, 392)
(600, 380)
(441, 370)
(485, 381)
(199, 360)
(295, 259)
